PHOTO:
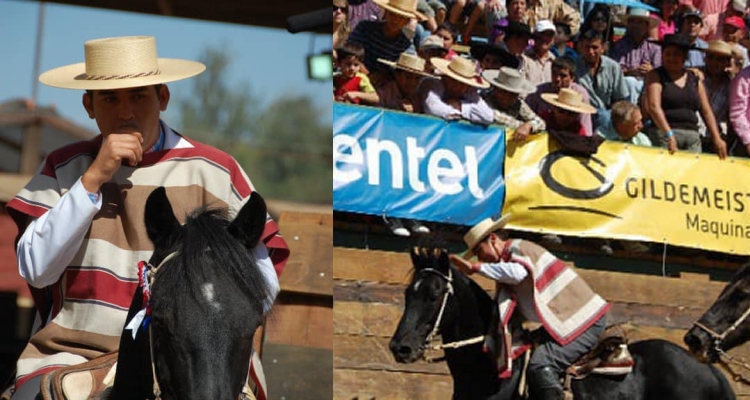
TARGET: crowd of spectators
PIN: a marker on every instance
(674, 78)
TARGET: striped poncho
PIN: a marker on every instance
(82, 315)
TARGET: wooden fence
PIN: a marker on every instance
(368, 293)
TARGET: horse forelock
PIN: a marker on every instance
(210, 261)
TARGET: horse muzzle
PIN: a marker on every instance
(405, 353)
(701, 345)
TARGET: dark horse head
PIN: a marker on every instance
(726, 324)
(440, 299)
(207, 301)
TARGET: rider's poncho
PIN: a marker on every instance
(564, 303)
(87, 307)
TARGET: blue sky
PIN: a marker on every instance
(271, 61)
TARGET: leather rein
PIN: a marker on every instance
(718, 338)
(436, 326)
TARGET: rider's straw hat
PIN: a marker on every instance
(481, 231)
(119, 63)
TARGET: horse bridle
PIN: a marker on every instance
(151, 273)
(436, 327)
(718, 338)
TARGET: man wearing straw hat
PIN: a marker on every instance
(508, 85)
(543, 290)
(564, 122)
(399, 93)
(76, 217)
(634, 53)
(456, 95)
(386, 39)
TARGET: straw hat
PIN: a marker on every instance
(480, 231)
(433, 42)
(570, 100)
(406, 8)
(462, 70)
(408, 62)
(509, 79)
(719, 47)
(118, 63)
(639, 13)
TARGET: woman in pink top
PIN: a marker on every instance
(666, 18)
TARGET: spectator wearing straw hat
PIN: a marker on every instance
(508, 85)
(537, 60)
(455, 95)
(81, 212)
(386, 39)
(717, 81)
(572, 318)
(564, 125)
(432, 46)
(399, 93)
(563, 77)
(634, 53)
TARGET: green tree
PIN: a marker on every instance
(285, 148)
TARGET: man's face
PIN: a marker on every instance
(565, 119)
(454, 88)
(128, 110)
(503, 98)
(691, 26)
(637, 28)
(407, 82)
(561, 78)
(395, 21)
(732, 34)
(592, 51)
(630, 127)
(543, 41)
(486, 251)
(491, 61)
(516, 10)
(716, 64)
(517, 43)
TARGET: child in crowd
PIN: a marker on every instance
(351, 84)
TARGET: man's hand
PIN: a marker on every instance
(721, 147)
(644, 68)
(522, 132)
(672, 144)
(463, 265)
(116, 148)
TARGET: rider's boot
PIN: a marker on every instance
(544, 384)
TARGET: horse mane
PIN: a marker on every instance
(205, 235)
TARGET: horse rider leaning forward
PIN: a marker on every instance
(543, 289)
(81, 218)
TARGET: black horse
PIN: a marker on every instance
(662, 369)
(206, 303)
(725, 325)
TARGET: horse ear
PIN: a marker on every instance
(161, 223)
(249, 224)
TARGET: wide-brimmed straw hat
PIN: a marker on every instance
(480, 231)
(679, 40)
(406, 8)
(509, 79)
(570, 100)
(118, 63)
(462, 70)
(639, 13)
(408, 62)
(719, 47)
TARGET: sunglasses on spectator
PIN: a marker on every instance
(337, 8)
(599, 19)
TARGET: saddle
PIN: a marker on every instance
(610, 356)
(88, 381)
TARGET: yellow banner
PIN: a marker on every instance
(630, 192)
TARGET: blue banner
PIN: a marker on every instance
(417, 167)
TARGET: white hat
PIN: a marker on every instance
(119, 63)
(462, 70)
(544, 25)
(480, 231)
(639, 13)
(408, 62)
(509, 79)
(570, 100)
